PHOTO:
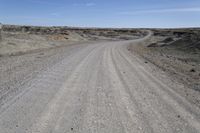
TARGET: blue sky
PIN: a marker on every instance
(102, 13)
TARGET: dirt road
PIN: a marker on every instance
(98, 87)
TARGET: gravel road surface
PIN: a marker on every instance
(89, 88)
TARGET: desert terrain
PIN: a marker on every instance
(23, 39)
(68, 79)
(177, 53)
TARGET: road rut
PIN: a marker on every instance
(100, 87)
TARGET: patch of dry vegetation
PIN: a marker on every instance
(22, 39)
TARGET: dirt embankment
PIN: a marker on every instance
(23, 39)
(177, 52)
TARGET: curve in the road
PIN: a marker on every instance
(99, 88)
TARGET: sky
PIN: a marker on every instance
(102, 13)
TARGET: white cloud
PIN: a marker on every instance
(44, 2)
(90, 4)
(55, 14)
(170, 10)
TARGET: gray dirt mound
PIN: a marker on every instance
(186, 45)
(185, 40)
(177, 52)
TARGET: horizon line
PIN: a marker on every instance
(92, 27)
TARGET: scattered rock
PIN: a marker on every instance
(196, 87)
(167, 40)
(72, 129)
(192, 70)
(11, 44)
(152, 45)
